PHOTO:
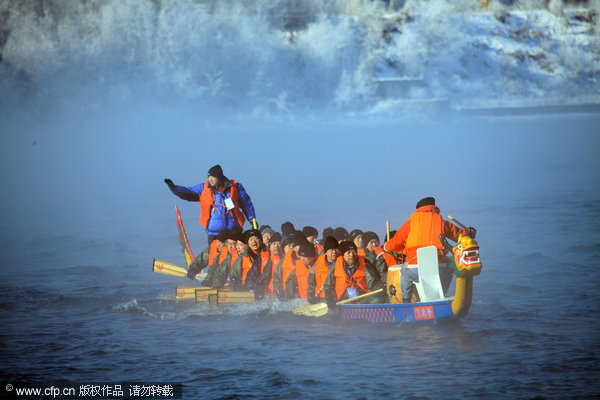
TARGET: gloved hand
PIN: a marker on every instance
(472, 232)
(192, 273)
(169, 183)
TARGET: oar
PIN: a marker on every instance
(387, 229)
(163, 267)
(457, 222)
(320, 309)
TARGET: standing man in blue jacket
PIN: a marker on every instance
(224, 203)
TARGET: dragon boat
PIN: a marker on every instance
(433, 306)
(429, 305)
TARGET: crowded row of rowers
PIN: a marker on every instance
(295, 264)
(333, 270)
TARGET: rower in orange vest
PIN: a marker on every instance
(252, 269)
(357, 237)
(276, 254)
(267, 234)
(285, 267)
(209, 255)
(371, 241)
(296, 284)
(350, 276)
(218, 275)
(317, 276)
(424, 229)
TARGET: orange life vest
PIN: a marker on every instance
(247, 264)
(302, 278)
(343, 281)
(319, 249)
(225, 253)
(207, 201)
(321, 271)
(425, 230)
(390, 260)
(275, 260)
(213, 253)
(288, 265)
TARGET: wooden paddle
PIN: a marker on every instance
(320, 309)
(163, 267)
(457, 222)
(387, 229)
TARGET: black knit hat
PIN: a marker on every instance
(307, 249)
(426, 201)
(330, 243)
(368, 236)
(252, 232)
(299, 238)
(355, 233)
(217, 172)
(263, 227)
(340, 233)
(275, 238)
(310, 231)
(347, 245)
(287, 227)
(223, 234)
(235, 234)
(327, 232)
(287, 238)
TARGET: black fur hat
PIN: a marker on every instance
(330, 243)
(427, 201)
(347, 245)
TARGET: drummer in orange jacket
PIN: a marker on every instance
(424, 229)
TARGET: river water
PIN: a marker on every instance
(80, 303)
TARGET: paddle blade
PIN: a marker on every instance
(312, 310)
(163, 267)
(226, 297)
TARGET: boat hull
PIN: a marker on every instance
(435, 311)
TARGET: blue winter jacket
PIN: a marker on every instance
(220, 218)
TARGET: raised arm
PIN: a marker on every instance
(189, 193)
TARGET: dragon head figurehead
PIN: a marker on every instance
(466, 257)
